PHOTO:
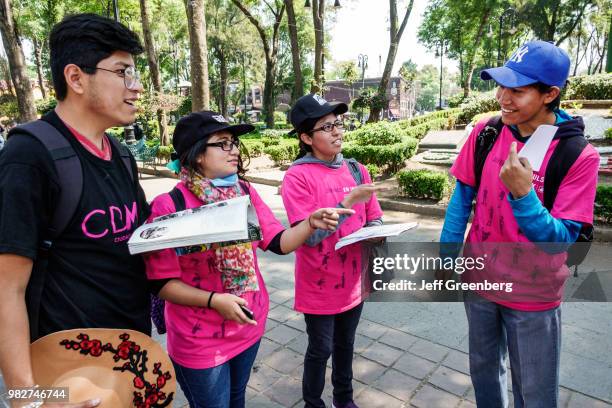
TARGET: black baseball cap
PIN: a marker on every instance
(313, 106)
(197, 125)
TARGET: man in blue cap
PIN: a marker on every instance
(524, 208)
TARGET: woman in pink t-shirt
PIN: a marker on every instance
(216, 300)
(327, 282)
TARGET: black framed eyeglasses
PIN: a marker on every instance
(131, 77)
(328, 127)
(226, 145)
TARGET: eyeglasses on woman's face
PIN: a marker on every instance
(329, 127)
(226, 145)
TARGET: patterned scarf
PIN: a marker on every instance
(235, 262)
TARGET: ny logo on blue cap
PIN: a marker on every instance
(518, 55)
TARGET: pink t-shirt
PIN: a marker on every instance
(199, 337)
(534, 273)
(326, 281)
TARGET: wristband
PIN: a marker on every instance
(210, 298)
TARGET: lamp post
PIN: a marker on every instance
(441, 54)
(362, 62)
(507, 13)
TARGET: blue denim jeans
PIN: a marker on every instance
(330, 335)
(223, 386)
(533, 341)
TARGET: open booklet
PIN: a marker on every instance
(222, 223)
(378, 231)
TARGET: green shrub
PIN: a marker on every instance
(392, 156)
(185, 107)
(270, 141)
(380, 133)
(608, 134)
(45, 105)
(279, 117)
(603, 203)
(590, 87)
(274, 133)
(9, 109)
(423, 184)
(446, 113)
(284, 152)
(479, 104)
(164, 153)
(254, 147)
(373, 170)
(484, 115)
(116, 132)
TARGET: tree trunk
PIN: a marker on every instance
(471, 63)
(200, 96)
(298, 85)
(37, 58)
(318, 12)
(395, 36)
(609, 58)
(17, 64)
(223, 78)
(270, 48)
(154, 69)
(268, 96)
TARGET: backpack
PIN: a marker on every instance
(565, 155)
(70, 179)
(158, 304)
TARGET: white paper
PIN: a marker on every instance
(388, 230)
(536, 147)
(223, 221)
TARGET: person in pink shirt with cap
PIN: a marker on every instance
(328, 285)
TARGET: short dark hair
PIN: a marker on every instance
(543, 88)
(85, 40)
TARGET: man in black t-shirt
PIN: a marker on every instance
(90, 279)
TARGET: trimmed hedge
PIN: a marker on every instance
(603, 203)
(164, 153)
(590, 87)
(484, 115)
(380, 133)
(254, 147)
(391, 155)
(373, 170)
(472, 106)
(423, 184)
(284, 152)
(608, 134)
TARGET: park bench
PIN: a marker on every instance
(144, 154)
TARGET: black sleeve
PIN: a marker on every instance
(156, 285)
(28, 193)
(274, 245)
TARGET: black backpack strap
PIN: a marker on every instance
(484, 142)
(178, 199)
(563, 158)
(69, 172)
(126, 156)
(353, 166)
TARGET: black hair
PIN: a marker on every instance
(85, 40)
(305, 127)
(189, 159)
(543, 88)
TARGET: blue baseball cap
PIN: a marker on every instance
(535, 61)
